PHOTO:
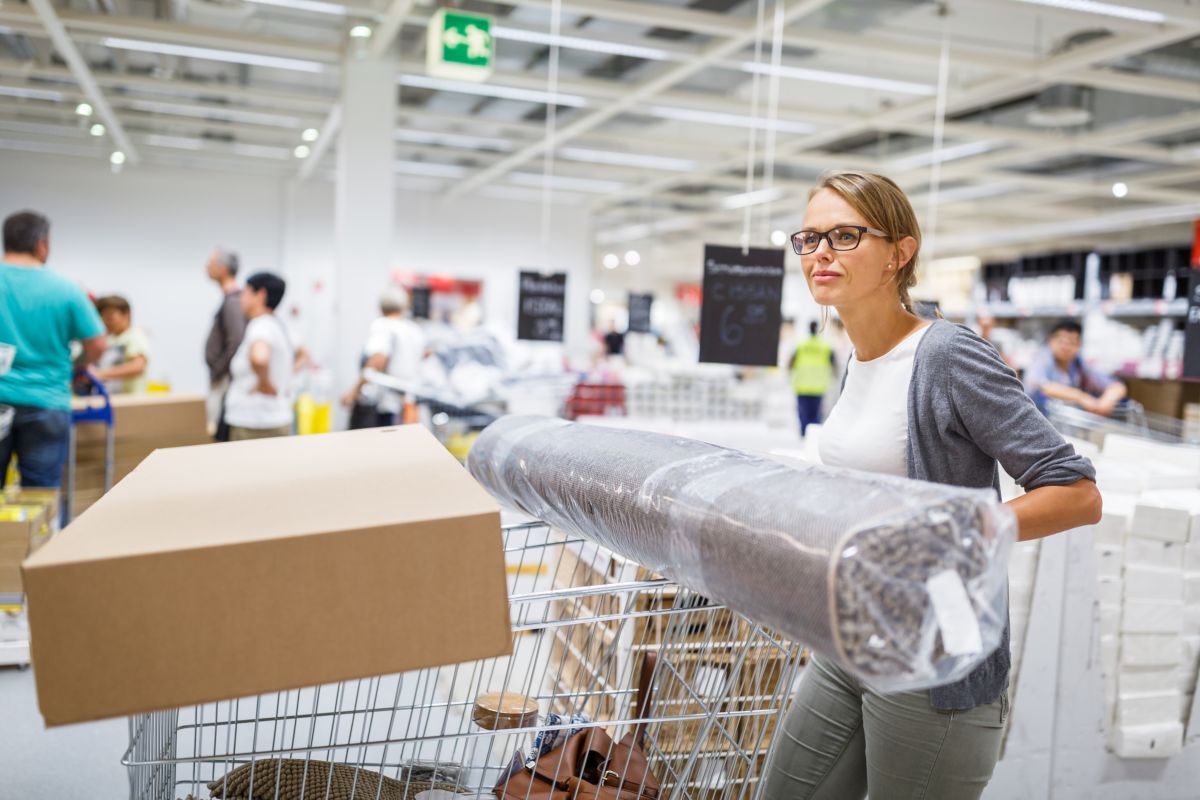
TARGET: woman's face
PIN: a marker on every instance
(843, 278)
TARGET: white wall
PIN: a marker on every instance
(146, 233)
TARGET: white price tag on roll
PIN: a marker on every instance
(955, 615)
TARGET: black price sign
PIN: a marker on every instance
(1191, 331)
(543, 300)
(639, 312)
(420, 302)
(740, 313)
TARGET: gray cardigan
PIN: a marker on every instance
(966, 412)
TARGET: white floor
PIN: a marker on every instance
(75, 761)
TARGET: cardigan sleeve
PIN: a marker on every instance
(994, 412)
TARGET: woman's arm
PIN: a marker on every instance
(1052, 509)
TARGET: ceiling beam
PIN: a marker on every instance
(378, 46)
(83, 76)
(647, 89)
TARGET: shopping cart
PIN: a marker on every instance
(98, 411)
(583, 622)
(1129, 418)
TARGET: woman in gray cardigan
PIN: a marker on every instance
(930, 401)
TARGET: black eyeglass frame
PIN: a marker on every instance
(862, 229)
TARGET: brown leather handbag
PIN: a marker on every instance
(590, 766)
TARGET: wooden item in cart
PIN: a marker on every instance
(301, 779)
(505, 711)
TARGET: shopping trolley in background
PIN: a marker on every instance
(94, 413)
(583, 621)
(1129, 418)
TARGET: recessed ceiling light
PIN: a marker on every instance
(301, 151)
(117, 158)
(310, 135)
(1120, 189)
(597, 297)
(611, 261)
(778, 238)
(633, 258)
(360, 32)
(97, 130)
(83, 110)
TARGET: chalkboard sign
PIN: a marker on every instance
(740, 311)
(639, 312)
(420, 302)
(543, 300)
(1191, 345)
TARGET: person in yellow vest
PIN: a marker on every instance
(813, 367)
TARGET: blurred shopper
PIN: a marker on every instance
(813, 366)
(258, 404)
(987, 330)
(927, 401)
(41, 313)
(395, 346)
(224, 337)
(1059, 373)
(122, 368)
(614, 341)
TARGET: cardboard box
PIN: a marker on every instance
(1150, 708)
(1152, 553)
(1149, 741)
(1149, 680)
(229, 570)
(141, 425)
(1149, 583)
(1140, 616)
(1140, 449)
(23, 529)
(1168, 516)
(1110, 561)
(1150, 649)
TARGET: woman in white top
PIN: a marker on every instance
(921, 400)
(259, 402)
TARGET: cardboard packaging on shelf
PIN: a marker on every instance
(229, 570)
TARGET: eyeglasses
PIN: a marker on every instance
(843, 238)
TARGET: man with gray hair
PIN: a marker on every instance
(224, 338)
(395, 347)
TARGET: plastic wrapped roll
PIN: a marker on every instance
(902, 582)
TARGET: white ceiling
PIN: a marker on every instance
(659, 105)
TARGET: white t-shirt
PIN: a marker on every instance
(403, 342)
(868, 428)
(246, 408)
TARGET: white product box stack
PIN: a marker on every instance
(1022, 577)
(1149, 636)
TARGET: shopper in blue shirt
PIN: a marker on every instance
(41, 313)
(1058, 373)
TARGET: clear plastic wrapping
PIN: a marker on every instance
(903, 582)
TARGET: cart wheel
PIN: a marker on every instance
(22, 667)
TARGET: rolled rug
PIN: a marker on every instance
(904, 583)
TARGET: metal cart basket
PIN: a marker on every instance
(1129, 418)
(583, 621)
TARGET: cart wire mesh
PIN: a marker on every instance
(1129, 418)
(583, 620)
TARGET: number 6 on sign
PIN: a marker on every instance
(732, 334)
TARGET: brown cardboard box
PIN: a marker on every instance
(141, 424)
(18, 538)
(229, 570)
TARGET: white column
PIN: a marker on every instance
(364, 206)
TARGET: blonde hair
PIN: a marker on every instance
(883, 205)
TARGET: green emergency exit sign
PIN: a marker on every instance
(459, 46)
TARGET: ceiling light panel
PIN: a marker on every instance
(211, 54)
(492, 90)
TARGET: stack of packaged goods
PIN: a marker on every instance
(1148, 552)
(28, 518)
(141, 425)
